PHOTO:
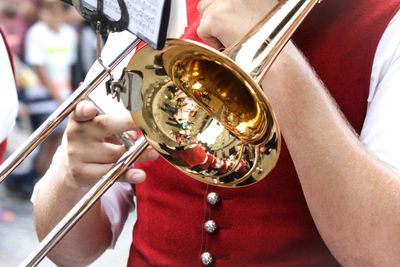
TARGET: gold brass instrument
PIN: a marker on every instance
(202, 110)
(221, 131)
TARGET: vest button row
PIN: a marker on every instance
(213, 198)
(210, 226)
(207, 258)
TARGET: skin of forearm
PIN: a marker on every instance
(45, 80)
(88, 239)
(353, 197)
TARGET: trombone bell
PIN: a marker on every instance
(204, 115)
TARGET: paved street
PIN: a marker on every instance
(18, 238)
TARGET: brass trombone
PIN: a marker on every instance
(247, 145)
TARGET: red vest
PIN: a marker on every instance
(267, 224)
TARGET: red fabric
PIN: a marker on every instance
(267, 224)
(3, 147)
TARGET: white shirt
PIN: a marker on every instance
(9, 99)
(380, 133)
(56, 52)
(381, 130)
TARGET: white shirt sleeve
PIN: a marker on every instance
(381, 130)
(8, 100)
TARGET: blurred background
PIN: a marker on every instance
(53, 49)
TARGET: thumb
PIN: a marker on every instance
(134, 176)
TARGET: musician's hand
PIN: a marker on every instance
(93, 146)
(224, 22)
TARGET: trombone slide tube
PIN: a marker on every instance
(85, 203)
(258, 49)
(58, 116)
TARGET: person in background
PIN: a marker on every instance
(333, 197)
(16, 16)
(50, 48)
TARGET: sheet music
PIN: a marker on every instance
(144, 15)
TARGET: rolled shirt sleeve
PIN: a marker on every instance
(381, 130)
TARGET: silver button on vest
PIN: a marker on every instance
(207, 258)
(213, 198)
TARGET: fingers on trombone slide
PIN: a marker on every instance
(127, 137)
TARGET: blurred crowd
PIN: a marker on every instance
(53, 47)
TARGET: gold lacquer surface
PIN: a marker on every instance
(221, 88)
(199, 134)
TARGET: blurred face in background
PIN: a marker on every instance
(15, 18)
(52, 12)
(27, 10)
(13, 12)
(8, 16)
